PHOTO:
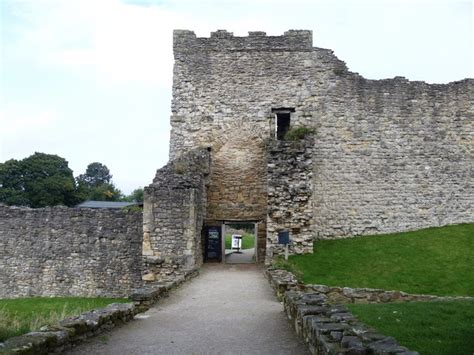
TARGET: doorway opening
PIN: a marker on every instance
(239, 242)
(213, 243)
(232, 242)
(282, 121)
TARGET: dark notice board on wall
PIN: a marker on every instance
(213, 243)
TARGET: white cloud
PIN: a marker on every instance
(114, 41)
(15, 120)
(119, 42)
(78, 68)
(22, 125)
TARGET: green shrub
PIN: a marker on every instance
(298, 133)
(133, 208)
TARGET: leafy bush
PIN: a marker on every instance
(298, 133)
(133, 208)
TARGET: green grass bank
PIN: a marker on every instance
(22, 315)
(434, 328)
(437, 261)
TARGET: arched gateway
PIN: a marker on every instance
(378, 155)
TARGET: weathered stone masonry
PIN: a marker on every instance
(174, 210)
(388, 155)
(63, 251)
(290, 188)
(393, 155)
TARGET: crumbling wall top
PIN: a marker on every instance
(185, 41)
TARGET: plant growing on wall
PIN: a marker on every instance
(298, 133)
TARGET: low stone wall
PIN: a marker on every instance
(73, 330)
(325, 327)
(372, 295)
(59, 251)
(70, 331)
(283, 281)
(332, 329)
(290, 189)
(148, 295)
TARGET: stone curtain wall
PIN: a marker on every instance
(69, 252)
(174, 210)
(290, 186)
(393, 155)
(389, 155)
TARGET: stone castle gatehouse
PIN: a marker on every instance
(383, 156)
(378, 156)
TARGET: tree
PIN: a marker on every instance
(37, 181)
(96, 184)
(105, 192)
(135, 196)
(96, 174)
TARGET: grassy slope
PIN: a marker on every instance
(430, 328)
(19, 316)
(248, 241)
(436, 261)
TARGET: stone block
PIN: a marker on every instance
(320, 288)
(385, 346)
(150, 277)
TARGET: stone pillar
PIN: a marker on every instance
(174, 210)
(290, 188)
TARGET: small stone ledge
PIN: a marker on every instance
(145, 297)
(70, 331)
(282, 281)
(325, 327)
(73, 330)
(373, 295)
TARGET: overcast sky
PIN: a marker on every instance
(91, 80)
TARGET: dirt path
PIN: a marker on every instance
(227, 309)
(246, 256)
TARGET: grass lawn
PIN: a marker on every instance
(428, 327)
(248, 241)
(438, 261)
(22, 315)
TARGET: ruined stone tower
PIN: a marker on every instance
(385, 155)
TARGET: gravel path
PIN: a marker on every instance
(228, 309)
(244, 257)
